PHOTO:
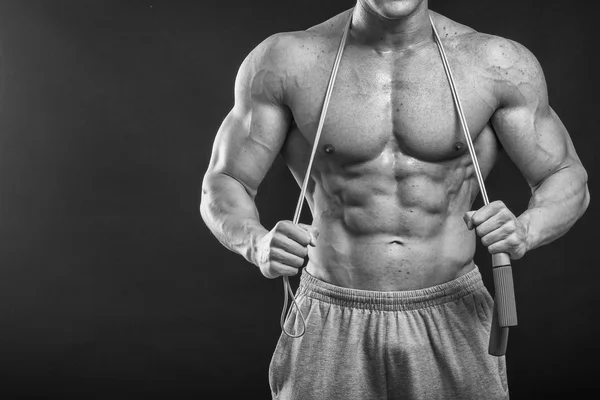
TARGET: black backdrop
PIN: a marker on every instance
(111, 287)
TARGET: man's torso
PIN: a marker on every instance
(392, 177)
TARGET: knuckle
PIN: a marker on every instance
(303, 241)
(300, 251)
(500, 224)
(275, 240)
(280, 268)
(273, 253)
(307, 239)
(289, 271)
(270, 272)
(281, 271)
(475, 218)
(274, 274)
(303, 233)
(281, 226)
(503, 231)
(304, 252)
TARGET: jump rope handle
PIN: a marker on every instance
(505, 308)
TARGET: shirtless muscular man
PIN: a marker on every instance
(395, 307)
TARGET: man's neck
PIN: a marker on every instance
(386, 34)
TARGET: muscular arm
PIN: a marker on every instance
(538, 143)
(245, 147)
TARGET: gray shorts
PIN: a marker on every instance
(418, 344)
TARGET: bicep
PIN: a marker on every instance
(253, 133)
(535, 140)
(531, 132)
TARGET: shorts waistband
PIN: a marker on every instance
(390, 301)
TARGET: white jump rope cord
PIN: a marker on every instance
(461, 114)
(287, 290)
(286, 283)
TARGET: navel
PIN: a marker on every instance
(329, 149)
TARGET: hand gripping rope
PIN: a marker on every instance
(505, 309)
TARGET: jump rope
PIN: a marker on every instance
(505, 311)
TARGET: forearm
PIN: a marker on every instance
(231, 215)
(556, 204)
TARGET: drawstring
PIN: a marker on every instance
(287, 289)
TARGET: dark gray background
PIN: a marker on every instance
(111, 287)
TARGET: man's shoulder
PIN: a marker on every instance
(509, 63)
(495, 53)
(512, 69)
(499, 52)
(289, 50)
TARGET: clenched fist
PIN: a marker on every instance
(500, 230)
(284, 250)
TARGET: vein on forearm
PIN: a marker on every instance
(556, 204)
(230, 213)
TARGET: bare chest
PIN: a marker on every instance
(401, 103)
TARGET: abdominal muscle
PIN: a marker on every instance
(387, 233)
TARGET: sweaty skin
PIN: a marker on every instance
(392, 179)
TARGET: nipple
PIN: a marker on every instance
(458, 146)
(329, 149)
